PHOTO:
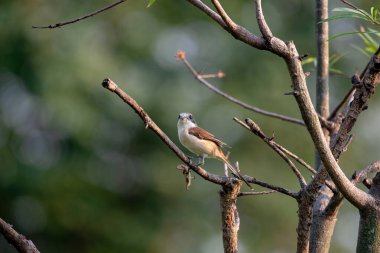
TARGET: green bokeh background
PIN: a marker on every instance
(78, 170)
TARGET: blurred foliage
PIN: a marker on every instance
(354, 12)
(78, 170)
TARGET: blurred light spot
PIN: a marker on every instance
(167, 45)
(29, 214)
(16, 105)
(39, 149)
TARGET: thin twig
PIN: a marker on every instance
(272, 187)
(149, 123)
(181, 56)
(230, 23)
(297, 158)
(263, 26)
(60, 24)
(19, 241)
(241, 194)
(254, 128)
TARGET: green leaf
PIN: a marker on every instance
(348, 33)
(150, 3)
(361, 50)
(309, 60)
(346, 15)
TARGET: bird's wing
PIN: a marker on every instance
(204, 135)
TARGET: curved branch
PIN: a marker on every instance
(356, 196)
(149, 123)
(181, 55)
(263, 26)
(60, 24)
(277, 47)
(20, 242)
(230, 23)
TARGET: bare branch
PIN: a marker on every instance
(149, 123)
(263, 26)
(279, 189)
(362, 175)
(19, 241)
(297, 158)
(276, 46)
(60, 24)
(181, 56)
(230, 23)
(254, 128)
(356, 84)
(356, 196)
(242, 194)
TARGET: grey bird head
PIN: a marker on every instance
(186, 116)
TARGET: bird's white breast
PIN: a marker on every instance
(194, 144)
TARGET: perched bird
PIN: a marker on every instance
(202, 143)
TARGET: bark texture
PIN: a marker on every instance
(230, 216)
(369, 226)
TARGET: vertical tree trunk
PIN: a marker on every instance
(323, 222)
(369, 226)
(230, 216)
(324, 219)
(322, 90)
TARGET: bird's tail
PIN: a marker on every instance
(235, 171)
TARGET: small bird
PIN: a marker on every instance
(202, 143)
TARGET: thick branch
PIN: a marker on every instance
(356, 196)
(149, 123)
(60, 24)
(20, 242)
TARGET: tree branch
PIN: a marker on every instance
(263, 26)
(356, 196)
(360, 176)
(181, 56)
(20, 242)
(242, 194)
(254, 128)
(149, 123)
(276, 46)
(227, 20)
(279, 189)
(60, 24)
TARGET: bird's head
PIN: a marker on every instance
(186, 119)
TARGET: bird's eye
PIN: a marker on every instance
(190, 116)
(179, 116)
